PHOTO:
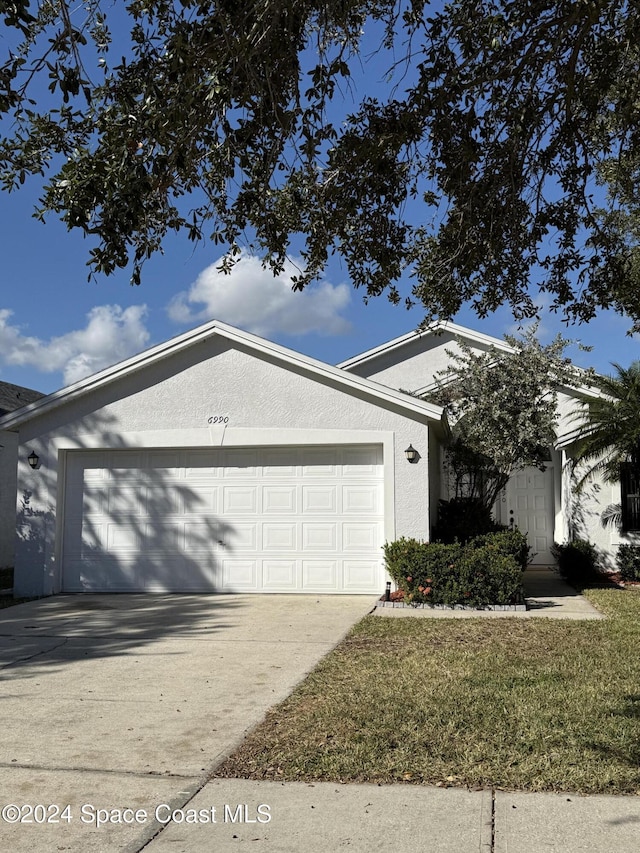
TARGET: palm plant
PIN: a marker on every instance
(609, 426)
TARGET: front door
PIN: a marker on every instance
(529, 504)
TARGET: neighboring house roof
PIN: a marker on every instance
(13, 397)
(312, 367)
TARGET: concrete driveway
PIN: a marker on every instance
(114, 703)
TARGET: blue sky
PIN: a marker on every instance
(55, 327)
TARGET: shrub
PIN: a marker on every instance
(462, 519)
(511, 542)
(628, 562)
(413, 565)
(475, 574)
(577, 561)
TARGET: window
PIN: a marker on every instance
(630, 496)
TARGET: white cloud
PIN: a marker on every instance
(111, 334)
(254, 299)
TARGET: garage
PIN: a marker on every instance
(277, 519)
(220, 462)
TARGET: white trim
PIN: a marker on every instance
(458, 332)
(203, 333)
(435, 329)
(233, 437)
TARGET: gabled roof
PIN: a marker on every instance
(13, 397)
(434, 329)
(468, 335)
(314, 368)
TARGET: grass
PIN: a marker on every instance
(538, 705)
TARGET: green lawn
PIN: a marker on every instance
(532, 704)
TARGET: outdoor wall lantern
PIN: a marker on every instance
(411, 453)
(33, 459)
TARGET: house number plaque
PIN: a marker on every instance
(218, 419)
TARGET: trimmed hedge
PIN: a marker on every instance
(511, 542)
(577, 561)
(628, 562)
(477, 574)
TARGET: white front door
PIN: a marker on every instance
(529, 505)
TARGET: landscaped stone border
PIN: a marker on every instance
(402, 604)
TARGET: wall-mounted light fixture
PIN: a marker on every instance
(33, 459)
(411, 453)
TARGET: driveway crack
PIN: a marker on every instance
(35, 655)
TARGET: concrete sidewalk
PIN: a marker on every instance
(547, 596)
(325, 818)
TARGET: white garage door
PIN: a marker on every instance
(300, 519)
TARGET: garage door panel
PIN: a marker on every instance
(179, 573)
(95, 501)
(122, 536)
(280, 575)
(205, 500)
(359, 575)
(279, 499)
(129, 500)
(359, 537)
(240, 499)
(319, 499)
(359, 499)
(321, 575)
(240, 536)
(320, 536)
(103, 574)
(279, 537)
(240, 575)
(96, 470)
(201, 535)
(289, 519)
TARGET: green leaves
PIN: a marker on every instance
(608, 425)
(503, 404)
(474, 169)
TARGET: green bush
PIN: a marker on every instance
(462, 519)
(512, 543)
(577, 561)
(628, 562)
(475, 574)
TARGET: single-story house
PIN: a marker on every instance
(12, 397)
(219, 461)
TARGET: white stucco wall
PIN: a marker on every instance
(169, 404)
(414, 365)
(8, 462)
(582, 510)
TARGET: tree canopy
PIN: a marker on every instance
(502, 153)
(608, 426)
(503, 406)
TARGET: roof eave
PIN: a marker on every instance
(150, 356)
